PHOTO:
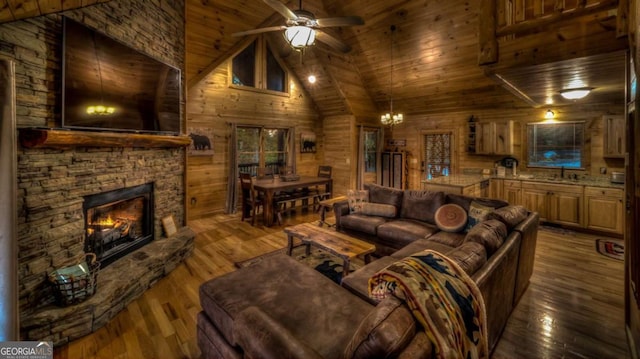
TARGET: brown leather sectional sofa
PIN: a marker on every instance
(280, 308)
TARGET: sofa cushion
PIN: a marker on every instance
(509, 215)
(357, 282)
(420, 245)
(400, 232)
(465, 201)
(470, 256)
(477, 214)
(386, 195)
(421, 205)
(490, 233)
(383, 333)
(377, 209)
(448, 238)
(362, 222)
(451, 218)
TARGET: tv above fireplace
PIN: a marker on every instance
(107, 85)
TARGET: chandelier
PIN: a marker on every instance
(390, 118)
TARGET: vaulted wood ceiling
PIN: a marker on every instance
(435, 64)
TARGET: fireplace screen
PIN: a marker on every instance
(118, 222)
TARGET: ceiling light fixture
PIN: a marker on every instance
(391, 118)
(549, 115)
(300, 37)
(312, 79)
(575, 93)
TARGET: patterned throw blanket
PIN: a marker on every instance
(442, 298)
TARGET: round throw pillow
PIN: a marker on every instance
(451, 218)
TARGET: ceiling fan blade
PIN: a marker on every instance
(340, 21)
(281, 8)
(332, 41)
(259, 31)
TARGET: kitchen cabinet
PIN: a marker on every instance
(557, 203)
(604, 209)
(496, 188)
(494, 138)
(614, 137)
(512, 191)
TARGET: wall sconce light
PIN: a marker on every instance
(576, 93)
(549, 115)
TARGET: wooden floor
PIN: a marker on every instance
(573, 307)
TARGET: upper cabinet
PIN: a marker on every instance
(614, 137)
(494, 138)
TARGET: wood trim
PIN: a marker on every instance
(58, 138)
(528, 26)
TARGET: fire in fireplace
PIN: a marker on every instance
(118, 222)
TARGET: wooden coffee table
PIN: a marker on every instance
(339, 244)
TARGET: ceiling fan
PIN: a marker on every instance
(303, 28)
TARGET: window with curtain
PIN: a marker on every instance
(555, 145)
(261, 147)
(256, 66)
(437, 154)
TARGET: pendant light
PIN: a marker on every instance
(390, 118)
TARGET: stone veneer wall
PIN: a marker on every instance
(52, 182)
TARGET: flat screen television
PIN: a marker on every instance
(107, 85)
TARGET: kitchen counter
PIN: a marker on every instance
(470, 180)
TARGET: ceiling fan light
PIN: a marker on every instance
(300, 37)
(575, 94)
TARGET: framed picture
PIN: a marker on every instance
(169, 225)
(201, 141)
(307, 143)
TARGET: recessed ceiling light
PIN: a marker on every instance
(576, 93)
(311, 79)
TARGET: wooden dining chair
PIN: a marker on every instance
(264, 172)
(251, 202)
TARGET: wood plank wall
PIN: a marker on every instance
(213, 104)
(458, 122)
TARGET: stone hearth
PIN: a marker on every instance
(143, 267)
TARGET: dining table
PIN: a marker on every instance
(270, 186)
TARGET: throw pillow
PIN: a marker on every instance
(451, 218)
(377, 209)
(477, 214)
(356, 198)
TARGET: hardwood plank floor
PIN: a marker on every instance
(573, 307)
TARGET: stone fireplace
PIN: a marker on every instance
(118, 222)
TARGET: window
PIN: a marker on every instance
(555, 144)
(262, 147)
(437, 154)
(258, 67)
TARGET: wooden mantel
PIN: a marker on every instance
(63, 138)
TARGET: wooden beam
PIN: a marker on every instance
(58, 138)
(512, 88)
(622, 18)
(487, 32)
(535, 25)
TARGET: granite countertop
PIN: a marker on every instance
(469, 180)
